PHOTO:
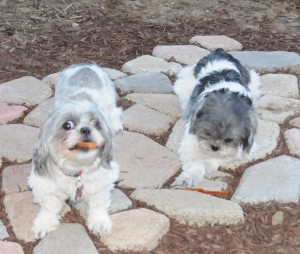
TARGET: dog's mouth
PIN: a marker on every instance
(84, 146)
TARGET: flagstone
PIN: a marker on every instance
(147, 63)
(277, 109)
(292, 138)
(176, 136)
(67, 238)
(295, 122)
(37, 116)
(275, 179)
(183, 54)
(167, 104)
(141, 119)
(51, 79)
(144, 83)
(26, 90)
(14, 178)
(192, 208)
(269, 61)
(10, 248)
(21, 212)
(115, 74)
(143, 162)
(3, 232)
(17, 141)
(212, 42)
(10, 112)
(142, 229)
(283, 85)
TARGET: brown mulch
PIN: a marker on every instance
(38, 38)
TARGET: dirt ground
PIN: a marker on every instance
(39, 37)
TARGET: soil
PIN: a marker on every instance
(39, 37)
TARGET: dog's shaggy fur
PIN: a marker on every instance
(85, 111)
(218, 97)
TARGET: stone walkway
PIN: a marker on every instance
(146, 166)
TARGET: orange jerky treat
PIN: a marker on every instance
(222, 192)
(88, 145)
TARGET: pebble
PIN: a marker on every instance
(10, 112)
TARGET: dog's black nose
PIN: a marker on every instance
(214, 148)
(85, 130)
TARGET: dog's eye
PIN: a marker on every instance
(68, 125)
(199, 114)
(98, 125)
(228, 140)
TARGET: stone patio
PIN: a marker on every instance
(148, 167)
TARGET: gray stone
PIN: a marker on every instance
(148, 63)
(119, 203)
(167, 104)
(10, 248)
(277, 218)
(21, 212)
(17, 141)
(183, 54)
(26, 90)
(143, 162)
(136, 230)
(3, 231)
(115, 74)
(14, 178)
(51, 79)
(67, 238)
(277, 109)
(283, 85)
(275, 179)
(269, 61)
(37, 116)
(144, 83)
(212, 42)
(145, 120)
(266, 141)
(292, 138)
(176, 136)
(189, 207)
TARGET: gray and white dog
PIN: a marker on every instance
(85, 111)
(217, 96)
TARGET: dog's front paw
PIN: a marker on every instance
(99, 224)
(44, 223)
(188, 179)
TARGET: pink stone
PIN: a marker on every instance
(295, 122)
(14, 178)
(21, 212)
(9, 113)
(10, 248)
(292, 137)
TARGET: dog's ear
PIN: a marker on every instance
(106, 153)
(248, 141)
(41, 153)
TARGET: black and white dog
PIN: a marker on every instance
(217, 97)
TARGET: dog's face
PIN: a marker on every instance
(224, 123)
(69, 125)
